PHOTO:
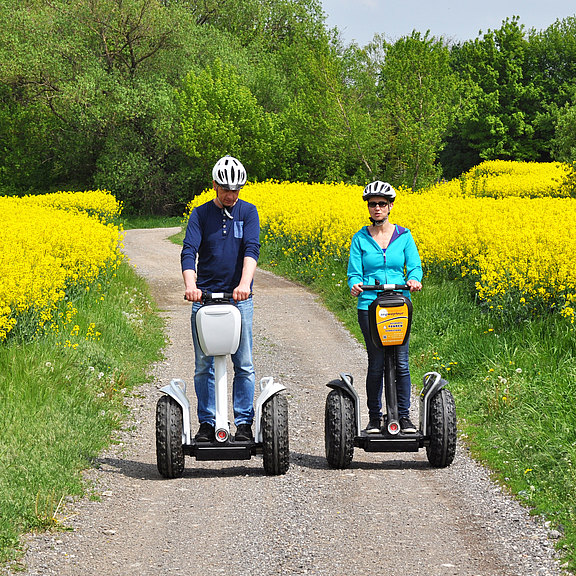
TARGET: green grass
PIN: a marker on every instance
(133, 222)
(513, 382)
(61, 398)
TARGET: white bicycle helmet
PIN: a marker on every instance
(229, 173)
(379, 188)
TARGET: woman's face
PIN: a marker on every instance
(379, 207)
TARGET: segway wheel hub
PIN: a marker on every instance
(393, 428)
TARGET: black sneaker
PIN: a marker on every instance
(374, 426)
(205, 433)
(406, 426)
(244, 433)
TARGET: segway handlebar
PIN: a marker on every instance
(208, 297)
(216, 296)
(385, 287)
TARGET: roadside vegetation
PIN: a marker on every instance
(79, 332)
(62, 399)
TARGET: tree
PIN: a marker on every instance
(219, 115)
(419, 93)
(551, 63)
(505, 100)
(98, 77)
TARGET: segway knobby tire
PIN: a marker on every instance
(339, 426)
(275, 446)
(169, 449)
(443, 431)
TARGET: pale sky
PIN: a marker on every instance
(359, 20)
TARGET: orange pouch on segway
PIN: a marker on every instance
(390, 317)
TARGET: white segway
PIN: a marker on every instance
(218, 323)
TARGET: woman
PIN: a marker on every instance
(385, 252)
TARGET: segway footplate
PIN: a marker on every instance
(204, 451)
(385, 443)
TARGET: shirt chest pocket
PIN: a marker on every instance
(238, 229)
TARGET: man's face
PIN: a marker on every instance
(226, 197)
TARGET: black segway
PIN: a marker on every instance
(218, 323)
(390, 317)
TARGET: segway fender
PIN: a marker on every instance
(177, 390)
(433, 383)
(346, 384)
(268, 389)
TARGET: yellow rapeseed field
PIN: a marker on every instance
(504, 178)
(53, 247)
(517, 249)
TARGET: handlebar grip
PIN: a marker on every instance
(386, 287)
(208, 296)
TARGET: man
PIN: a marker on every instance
(220, 254)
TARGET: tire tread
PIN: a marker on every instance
(339, 425)
(169, 449)
(443, 430)
(275, 438)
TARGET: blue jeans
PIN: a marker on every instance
(244, 375)
(375, 373)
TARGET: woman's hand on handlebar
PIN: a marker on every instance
(415, 286)
(356, 289)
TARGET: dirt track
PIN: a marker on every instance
(386, 514)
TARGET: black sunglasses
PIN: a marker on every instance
(379, 204)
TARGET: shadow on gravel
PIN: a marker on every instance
(320, 463)
(147, 471)
(194, 469)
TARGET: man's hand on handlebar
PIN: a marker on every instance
(193, 295)
(241, 293)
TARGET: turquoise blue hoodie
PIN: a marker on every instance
(396, 264)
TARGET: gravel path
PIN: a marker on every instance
(388, 513)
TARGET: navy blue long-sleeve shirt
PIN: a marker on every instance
(220, 244)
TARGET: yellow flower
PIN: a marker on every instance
(52, 246)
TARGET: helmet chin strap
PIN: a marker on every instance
(379, 222)
(225, 210)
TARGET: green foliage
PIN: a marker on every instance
(97, 78)
(564, 141)
(506, 102)
(552, 65)
(219, 115)
(110, 94)
(61, 399)
(336, 140)
(139, 157)
(419, 93)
